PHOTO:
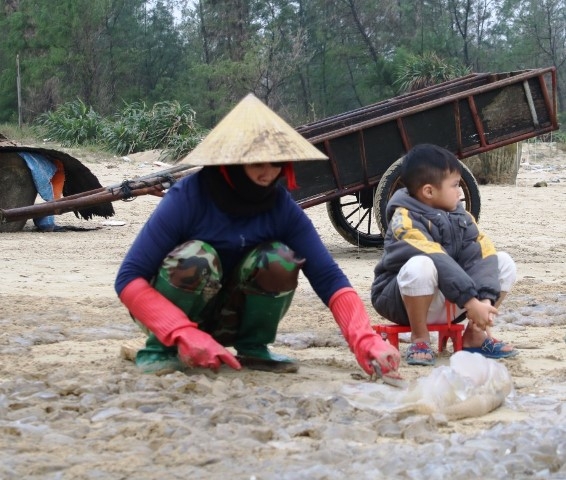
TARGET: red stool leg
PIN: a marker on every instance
(443, 336)
(453, 331)
(393, 338)
(457, 338)
(389, 332)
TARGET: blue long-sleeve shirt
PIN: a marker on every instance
(187, 212)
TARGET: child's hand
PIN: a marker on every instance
(480, 313)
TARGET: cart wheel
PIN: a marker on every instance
(16, 187)
(391, 182)
(352, 217)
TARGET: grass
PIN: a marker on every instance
(26, 135)
(31, 137)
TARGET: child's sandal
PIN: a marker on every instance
(420, 348)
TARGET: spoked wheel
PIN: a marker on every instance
(391, 182)
(353, 218)
(16, 187)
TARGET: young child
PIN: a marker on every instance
(217, 263)
(437, 262)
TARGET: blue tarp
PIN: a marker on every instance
(42, 171)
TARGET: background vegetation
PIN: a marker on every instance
(118, 63)
(166, 125)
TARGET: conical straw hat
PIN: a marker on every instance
(252, 133)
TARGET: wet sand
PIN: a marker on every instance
(71, 406)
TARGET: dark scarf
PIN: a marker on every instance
(243, 197)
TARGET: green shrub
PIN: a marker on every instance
(179, 146)
(126, 133)
(420, 71)
(72, 124)
(167, 125)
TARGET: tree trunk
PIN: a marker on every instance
(496, 167)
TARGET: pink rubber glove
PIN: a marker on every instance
(353, 320)
(172, 327)
(199, 349)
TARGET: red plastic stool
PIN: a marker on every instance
(449, 330)
(453, 332)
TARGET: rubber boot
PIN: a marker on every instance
(193, 262)
(156, 357)
(258, 328)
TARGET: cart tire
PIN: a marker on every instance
(391, 182)
(353, 219)
(16, 188)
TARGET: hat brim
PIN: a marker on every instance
(252, 133)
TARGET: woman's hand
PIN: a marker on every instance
(198, 349)
(374, 348)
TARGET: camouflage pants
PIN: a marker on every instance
(191, 277)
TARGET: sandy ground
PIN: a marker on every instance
(72, 407)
